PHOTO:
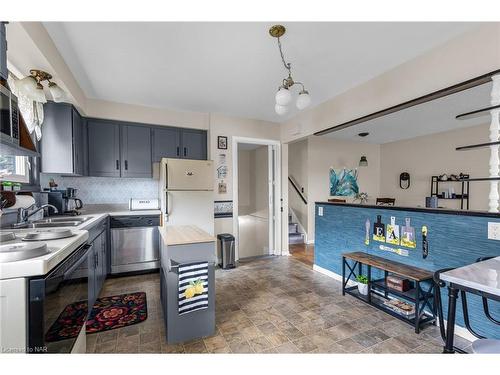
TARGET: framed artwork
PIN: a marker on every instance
(222, 142)
(343, 182)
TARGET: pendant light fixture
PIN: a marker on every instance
(32, 87)
(284, 95)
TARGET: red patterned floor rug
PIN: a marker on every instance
(108, 313)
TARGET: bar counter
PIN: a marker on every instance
(454, 238)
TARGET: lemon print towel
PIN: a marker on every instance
(193, 287)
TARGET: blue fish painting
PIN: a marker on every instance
(344, 182)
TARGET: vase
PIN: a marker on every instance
(363, 289)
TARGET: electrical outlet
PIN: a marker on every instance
(320, 211)
(494, 231)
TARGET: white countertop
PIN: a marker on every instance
(482, 276)
(59, 249)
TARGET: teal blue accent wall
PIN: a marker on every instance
(454, 241)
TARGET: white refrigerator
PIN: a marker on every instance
(186, 193)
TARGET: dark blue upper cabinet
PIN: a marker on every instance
(3, 52)
(194, 144)
(103, 148)
(63, 141)
(136, 151)
(166, 143)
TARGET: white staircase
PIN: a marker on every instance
(294, 236)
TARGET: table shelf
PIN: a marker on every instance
(379, 292)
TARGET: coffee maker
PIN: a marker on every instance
(65, 201)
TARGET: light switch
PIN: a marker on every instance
(494, 231)
(320, 211)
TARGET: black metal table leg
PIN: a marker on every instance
(386, 293)
(417, 308)
(369, 283)
(450, 324)
(343, 276)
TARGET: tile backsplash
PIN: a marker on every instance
(100, 190)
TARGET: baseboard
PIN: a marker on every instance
(460, 331)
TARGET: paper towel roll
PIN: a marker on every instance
(23, 201)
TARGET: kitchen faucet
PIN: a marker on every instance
(23, 214)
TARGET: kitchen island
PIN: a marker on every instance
(187, 247)
(452, 239)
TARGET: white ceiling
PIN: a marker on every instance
(432, 117)
(234, 68)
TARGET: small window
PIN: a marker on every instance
(15, 168)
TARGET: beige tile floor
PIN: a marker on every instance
(272, 305)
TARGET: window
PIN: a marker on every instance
(15, 168)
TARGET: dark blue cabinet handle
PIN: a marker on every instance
(126, 165)
(185, 151)
(178, 151)
(117, 164)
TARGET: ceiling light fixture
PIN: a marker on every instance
(284, 96)
(363, 162)
(32, 87)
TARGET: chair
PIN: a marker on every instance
(385, 201)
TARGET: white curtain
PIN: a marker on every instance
(31, 111)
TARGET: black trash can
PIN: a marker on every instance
(225, 251)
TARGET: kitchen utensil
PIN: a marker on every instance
(401, 252)
(392, 233)
(408, 235)
(367, 232)
(425, 244)
(379, 230)
(71, 192)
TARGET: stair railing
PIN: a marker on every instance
(297, 189)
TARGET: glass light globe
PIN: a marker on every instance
(281, 109)
(304, 100)
(283, 97)
(29, 88)
(57, 93)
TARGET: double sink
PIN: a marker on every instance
(59, 222)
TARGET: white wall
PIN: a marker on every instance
(298, 168)
(221, 125)
(435, 154)
(323, 153)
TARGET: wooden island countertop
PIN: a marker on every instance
(184, 234)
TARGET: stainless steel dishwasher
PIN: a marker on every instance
(135, 243)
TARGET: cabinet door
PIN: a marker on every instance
(57, 143)
(166, 143)
(3, 51)
(136, 151)
(91, 260)
(104, 256)
(78, 143)
(104, 148)
(194, 144)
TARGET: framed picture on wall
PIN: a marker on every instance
(222, 142)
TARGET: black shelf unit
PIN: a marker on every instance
(463, 196)
(379, 292)
(477, 113)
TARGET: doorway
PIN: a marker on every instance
(256, 197)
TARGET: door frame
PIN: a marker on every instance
(275, 226)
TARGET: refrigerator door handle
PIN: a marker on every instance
(168, 209)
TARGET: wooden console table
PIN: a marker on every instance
(379, 292)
